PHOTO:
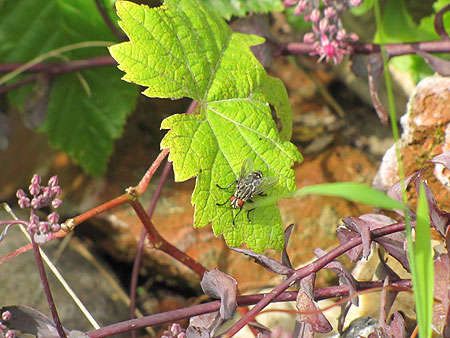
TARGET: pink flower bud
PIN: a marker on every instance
(6, 315)
(34, 219)
(302, 5)
(32, 228)
(10, 334)
(55, 227)
(323, 25)
(35, 203)
(36, 179)
(24, 202)
(356, 3)
(53, 181)
(309, 38)
(315, 15)
(341, 34)
(20, 193)
(53, 218)
(56, 203)
(34, 189)
(44, 227)
(175, 328)
(329, 12)
(47, 192)
(56, 191)
(353, 37)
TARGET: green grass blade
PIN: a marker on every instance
(423, 276)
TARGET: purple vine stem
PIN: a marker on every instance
(140, 249)
(200, 309)
(139, 252)
(305, 271)
(47, 292)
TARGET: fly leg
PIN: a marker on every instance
(234, 218)
(218, 186)
(248, 212)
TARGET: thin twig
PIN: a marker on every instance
(47, 291)
(108, 21)
(160, 243)
(140, 249)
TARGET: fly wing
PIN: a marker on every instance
(246, 169)
(266, 183)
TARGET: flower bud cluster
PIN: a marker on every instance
(40, 197)
(4, 331)
(175, 331)
(330, 39)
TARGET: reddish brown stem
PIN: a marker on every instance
(132, 193)
(305, 271)
(161, 244)
(196, 310)
(47, 292)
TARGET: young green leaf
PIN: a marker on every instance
(183, 49)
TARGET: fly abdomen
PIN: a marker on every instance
(245, 189)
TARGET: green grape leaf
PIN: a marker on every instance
(239, 8)
(183, 49)
(86, 110)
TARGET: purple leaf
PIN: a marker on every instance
(440, 66)
(284, 255)
(29, 320)
(344, 235)
(395, 190)
(439, 219)
(361, 227)
(217, 284)
(267, 263)
(263, 331)
(197, 332)
(375, 67)
(310, 311)
(385, 270)
(397, 327)
(208, 321)
(441, 293)
(393, 243)
(387, 299)
(345, 277)
(443, 159)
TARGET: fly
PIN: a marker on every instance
(249, 184)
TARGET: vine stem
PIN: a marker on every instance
(200, 309)
(305, 271)
(47, 291)
(131, 194)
